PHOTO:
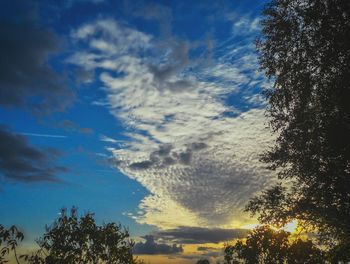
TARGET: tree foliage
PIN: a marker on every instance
(267, 246)
(72, 240)
(9, 239)
(305, 252)
(305, 51)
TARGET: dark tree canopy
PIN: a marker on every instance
(9, 239)
(73, 240)
(305, 51)
(304, 252)
(267, 246)
(263, 245)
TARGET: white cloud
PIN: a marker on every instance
(243, 24)
(199, 163)
(110, 140)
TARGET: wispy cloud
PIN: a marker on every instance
(110, 140)
(41, 135)
(190, 146)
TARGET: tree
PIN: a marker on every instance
(305, 51)
(10, 238)
(203, 261)
(267, 246)
(73, 240)
(263, 245)
(304, 252)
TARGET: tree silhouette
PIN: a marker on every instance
(267, 246)
(263, 245)
(72, 240)
(9, 239)
(203, 261)
(304, 252)
(305, 51)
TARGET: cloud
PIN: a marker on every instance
(205, 248)
(213, 254)
(69, 125)
(115, 36)
(165, 74)
(152, 11)
(164, 156)
(26, 79)
(41, 135)
(195, 148)
(109, 139)
(22, 162)
(200, 235)
(243, 25)
(142, 165)
(150, 247)
(83, 76)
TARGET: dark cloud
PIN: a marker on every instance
(157, 12)
(169, 161)
(208, 256)
(163, 150)
(72, 126)
(205, 248)
(164, 156)
(185, 157)
(22, 162)
(151, 247)
(26, 79)
(209, 252)
(200, 235)
(212, 254)
(164, 75)
(84, 76)
(143, 165)
(198, 146)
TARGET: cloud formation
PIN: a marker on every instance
(26, 79)
(200, 235)
(22, 162)
(150, 247)
(164, 156)
(191, 145)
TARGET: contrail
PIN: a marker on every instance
(42, 135)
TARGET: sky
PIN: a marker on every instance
(147, 113)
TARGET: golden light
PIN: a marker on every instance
(290, 227)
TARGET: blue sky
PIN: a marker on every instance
(147, 113)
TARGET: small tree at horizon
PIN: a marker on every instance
(79, 240)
